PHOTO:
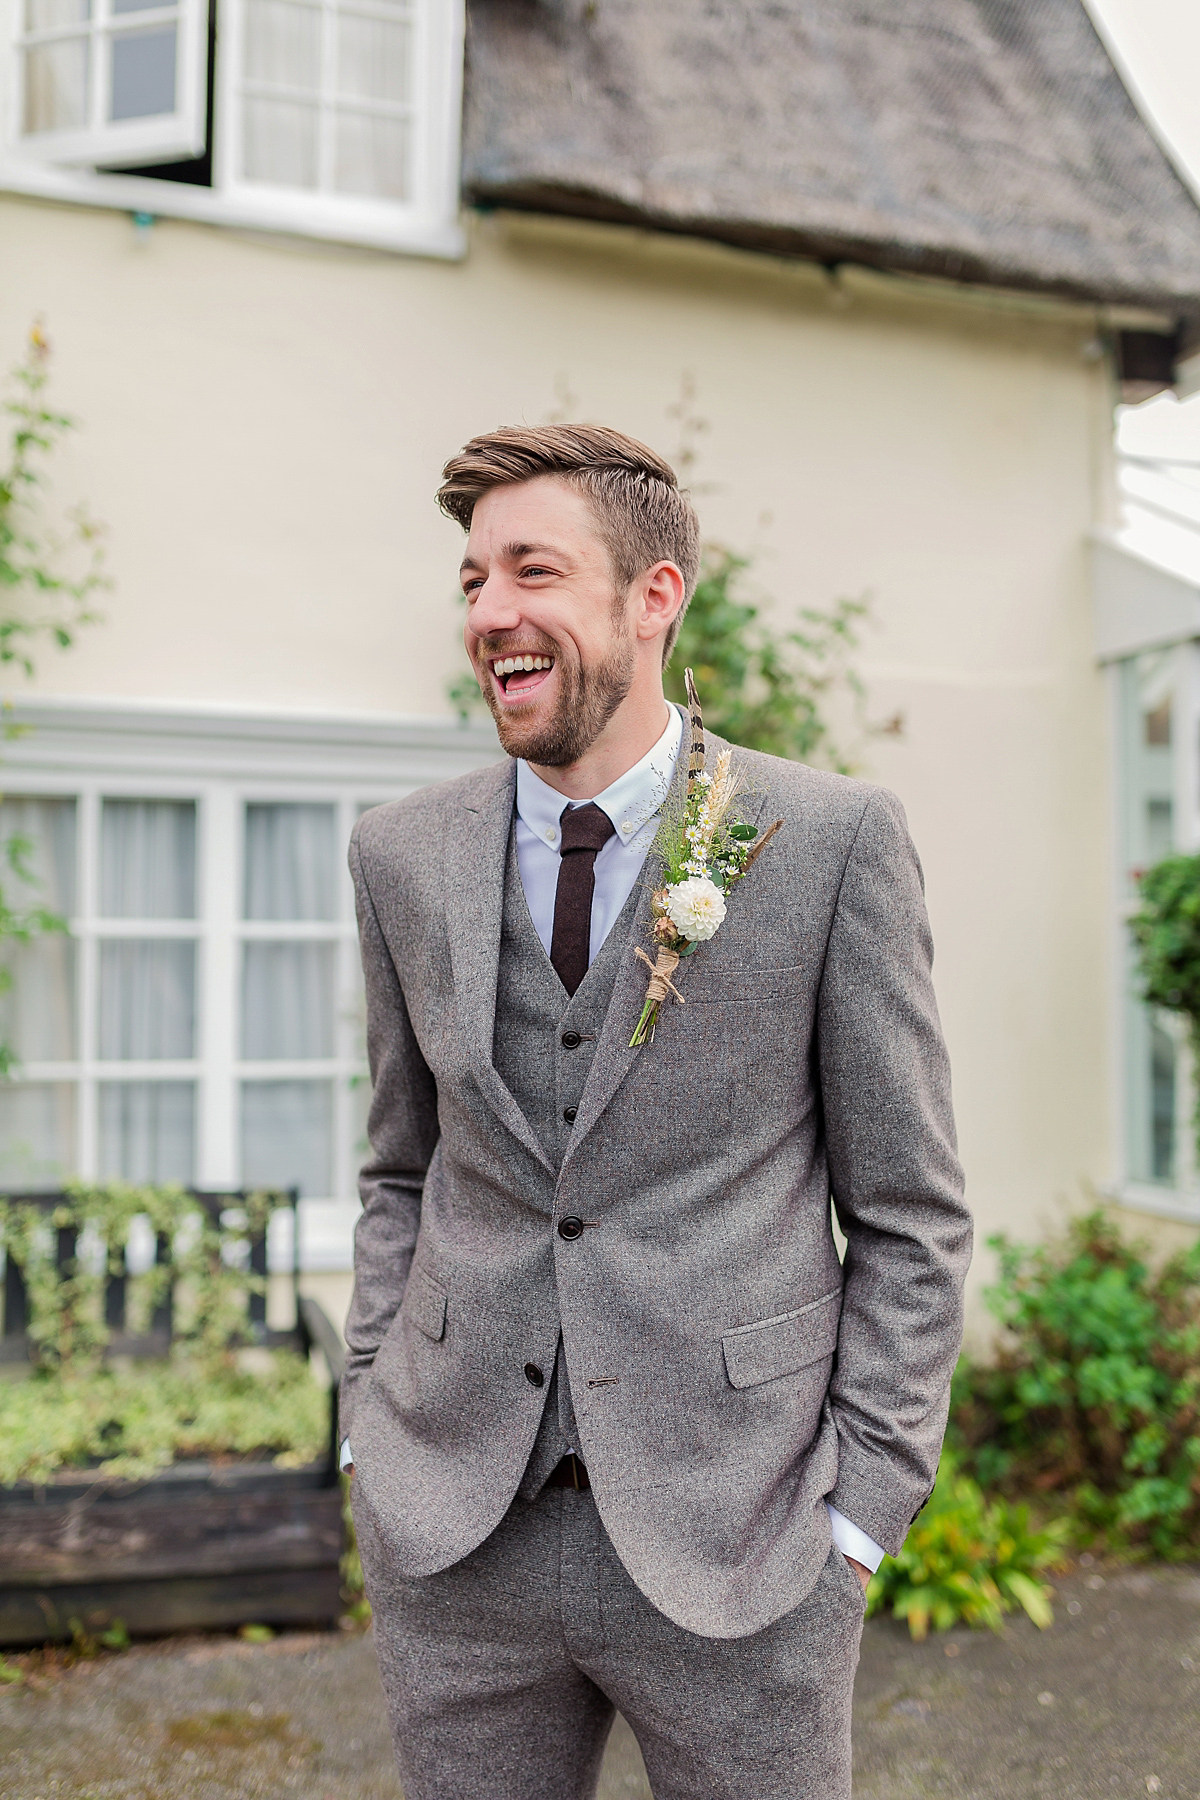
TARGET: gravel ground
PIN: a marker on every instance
(1106, 1703)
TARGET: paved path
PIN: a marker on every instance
(1107, 1703)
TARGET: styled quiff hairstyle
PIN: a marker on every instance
(643, 516)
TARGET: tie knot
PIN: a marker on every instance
(585, 828)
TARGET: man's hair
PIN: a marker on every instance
(643, 516)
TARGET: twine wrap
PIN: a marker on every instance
(661, 971)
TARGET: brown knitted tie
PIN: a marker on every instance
(585, 830)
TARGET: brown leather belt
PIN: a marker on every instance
(570, 1473)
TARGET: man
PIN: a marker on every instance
(627, 1432)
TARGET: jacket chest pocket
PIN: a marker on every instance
(772, 1348)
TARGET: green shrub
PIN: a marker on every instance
(129, 1422)
(967, 1560)
(1096, 1392)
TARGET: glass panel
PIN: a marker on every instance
(291, 862)
(37, 1015)
(147, 999)
(128, 6)
(148, 859)
(279, 143)
(143, 74)
(148, 1130)
(51, 15)
(37, 1134)
(1148, 778)
(371, 156)
(56, 86)
(372, 58)
(287, 1135)
(283, 44)
(287, 1001)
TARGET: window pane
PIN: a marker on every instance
(291, 862)
(279, 143)
(37, 1134)
(148, 859)
(37, 1015)
(372, 156)
(287, 1000)
(372, 58)
(147, 1000)
(147, 1130)
(287, 1135)
(56, 84)
(283, 44)
(45, 850)
(128, 6)
(50, 15)
(143, 74)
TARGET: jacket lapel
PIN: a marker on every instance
(476, 852)
(614, 1058)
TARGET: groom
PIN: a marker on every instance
(627, 1432)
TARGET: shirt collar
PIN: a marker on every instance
(630, 802)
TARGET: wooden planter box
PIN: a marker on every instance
(196, 1546)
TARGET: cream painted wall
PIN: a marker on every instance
(264, 426)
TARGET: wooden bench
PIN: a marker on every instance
(199, 1545)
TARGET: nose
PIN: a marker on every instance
(495, 608)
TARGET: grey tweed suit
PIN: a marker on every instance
(727, 1372)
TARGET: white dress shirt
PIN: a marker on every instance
(633, 803)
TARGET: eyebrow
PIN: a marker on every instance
(515, 552)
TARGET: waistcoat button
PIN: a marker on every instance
(571, 1040)
(570, 1227)
(569, 1114)
(533, 1375)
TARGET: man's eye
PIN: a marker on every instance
(470, 586)
(535, 571)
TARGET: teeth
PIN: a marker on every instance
(509, 665)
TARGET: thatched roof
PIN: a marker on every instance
(987, 141)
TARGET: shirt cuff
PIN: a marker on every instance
(850, 1540)
(346, 1461)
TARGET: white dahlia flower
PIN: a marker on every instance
(696, 908)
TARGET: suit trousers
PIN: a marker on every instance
(503, 1672)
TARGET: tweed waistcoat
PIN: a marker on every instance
(543, 1044)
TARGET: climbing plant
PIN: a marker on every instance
(1166, 933)
(50, 572)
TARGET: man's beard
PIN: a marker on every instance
(587, 700)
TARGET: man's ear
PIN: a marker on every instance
(660, 597)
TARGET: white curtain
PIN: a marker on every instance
(148, 1130)
(37, 1015)
(288, 995)
(147, 989)
(287, 1135)
(291, 862)
(37, 1134)
(287, 1001)
(148, 859)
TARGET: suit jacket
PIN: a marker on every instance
(728, 1371)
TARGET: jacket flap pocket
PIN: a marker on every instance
(425, 1304)
(780, 1346)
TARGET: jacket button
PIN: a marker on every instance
(569, 1114)
(570, 1227)
(571, 1040)
(533, 1375)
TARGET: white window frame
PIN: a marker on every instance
(1140, 607)
(426, 226)
(224, 762)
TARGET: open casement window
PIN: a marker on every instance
(110, 83)
(339, 105)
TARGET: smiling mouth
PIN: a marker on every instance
(519, 676)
